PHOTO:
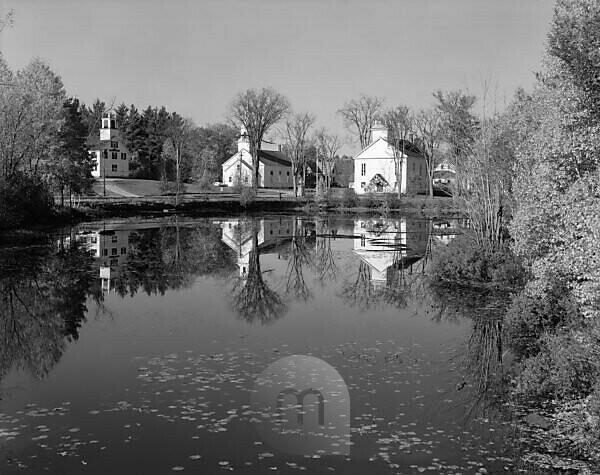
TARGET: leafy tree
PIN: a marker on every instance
(459, 123)
(30, 116)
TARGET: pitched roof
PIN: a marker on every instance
(275, 158)
(382, 148)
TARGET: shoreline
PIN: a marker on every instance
(156, 207)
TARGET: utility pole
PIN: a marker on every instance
(103, 163)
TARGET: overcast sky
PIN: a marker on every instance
(194, 56)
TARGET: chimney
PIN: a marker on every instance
(378, 131)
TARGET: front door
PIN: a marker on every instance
(379, 188)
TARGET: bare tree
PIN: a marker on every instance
(257, 111)
(179, 134)
(328, 146)
(429, 129)
(296, 143)
(400, 126)
(360, 115)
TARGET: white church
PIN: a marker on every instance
(375, 167)
(274, 168)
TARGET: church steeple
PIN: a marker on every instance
(243, 141)
(109, 128)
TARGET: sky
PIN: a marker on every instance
(194, 56)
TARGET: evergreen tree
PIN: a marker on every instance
(72, 165)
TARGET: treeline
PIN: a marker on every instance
(531, 188)
(163, 142)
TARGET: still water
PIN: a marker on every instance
(275, 344)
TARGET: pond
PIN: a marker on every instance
(247, 344)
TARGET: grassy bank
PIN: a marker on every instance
(215, 203)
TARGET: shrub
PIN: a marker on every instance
(24, 200)
(461, 261)
(370, 201)
(349, 199)
(531, 316)
(564, 368)
(392, 201)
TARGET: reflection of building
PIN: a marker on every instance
(111, 157)
(274, 168)
(445, 230)
(386, 244)
(110, 247)
(238, 235)
(375, 166)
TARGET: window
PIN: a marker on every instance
(362, 184)
(114, 238)
(113, 251)
(272, 172)
(114, 145)
(105, 153)
(94, 240)
(288, 173)
(363, 169)
(114, 168)
(246, 179)
(123, 250)
(123, 156)
(114, 155)
(280, 172)
(230, 179)
(94, 166)
(105, 252)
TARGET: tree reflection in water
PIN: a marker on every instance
(484, 383)
(360, 292)
(251, 297)
(43, 304)
(324, 261)
(300, 257)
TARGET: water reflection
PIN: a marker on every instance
(43, 304)
(391, 252)
(251, 296)
(405, 349)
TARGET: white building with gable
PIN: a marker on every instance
(375, 166)
(274, 168)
